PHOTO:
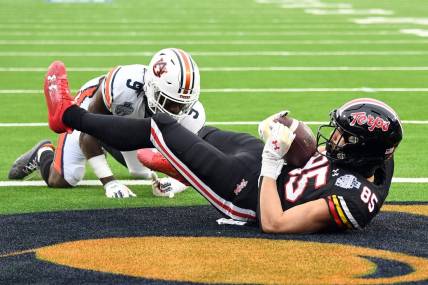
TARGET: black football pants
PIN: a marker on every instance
(223, 166)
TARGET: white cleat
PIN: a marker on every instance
(167, 187)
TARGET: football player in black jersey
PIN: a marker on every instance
(341, 187)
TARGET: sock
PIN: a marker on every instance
(45, 161)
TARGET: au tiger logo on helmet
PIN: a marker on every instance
(173, 83)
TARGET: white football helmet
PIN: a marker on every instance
(173, 83)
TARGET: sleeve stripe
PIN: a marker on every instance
(108, 98)
(348, 213)
(334, 213)
(342, 215)
(87, 93)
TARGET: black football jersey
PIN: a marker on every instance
(352, 200)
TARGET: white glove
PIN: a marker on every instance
(277, 145)
(265, 126)
(167, 187)
(115, 189)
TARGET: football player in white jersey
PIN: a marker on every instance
(170, 84)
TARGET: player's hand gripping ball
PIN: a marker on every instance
(304, 144)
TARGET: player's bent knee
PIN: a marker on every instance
(57, 181)
(207, 159)
(162, 119)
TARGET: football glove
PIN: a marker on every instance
(277, 145)
(265, 126)
(115, 189)
(167, 187)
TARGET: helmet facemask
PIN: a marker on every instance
(335, 140)
(346, 149)
(159, 101)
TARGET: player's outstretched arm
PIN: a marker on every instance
(94, 153)
(309, 217)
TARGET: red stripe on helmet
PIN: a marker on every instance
(188, 71)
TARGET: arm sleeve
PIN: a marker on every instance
(346, 213)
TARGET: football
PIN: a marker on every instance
(304, 144)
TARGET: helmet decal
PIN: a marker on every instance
(159, 68)
(373, 123)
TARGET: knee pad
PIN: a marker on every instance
(75, 176)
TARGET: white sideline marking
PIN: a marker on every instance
(208, 54)
(349, 12)
(391, 20)
(242, 68)
(207, 42)
(237, 123)
(200, 33)
(260, 90)
(38, 183)
(417, 32)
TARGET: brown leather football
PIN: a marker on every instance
(304, 144)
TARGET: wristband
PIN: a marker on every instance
(271, 168)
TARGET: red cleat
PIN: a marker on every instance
(154, 160)
(57, 94)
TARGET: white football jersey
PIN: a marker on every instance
(123, 95)
(195, 120)
(123, 91)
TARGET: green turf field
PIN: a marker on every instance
(256, 58)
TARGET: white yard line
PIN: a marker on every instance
(242, 68)
(391, 21)
(349, 11)
(417, 32)
(81, 183)
(409, 180)
(214, 53)
(311, 90)
(232, 123)
(199, 33)
(41, 183)
(277, 24)
(206, 42)
(261, 90)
